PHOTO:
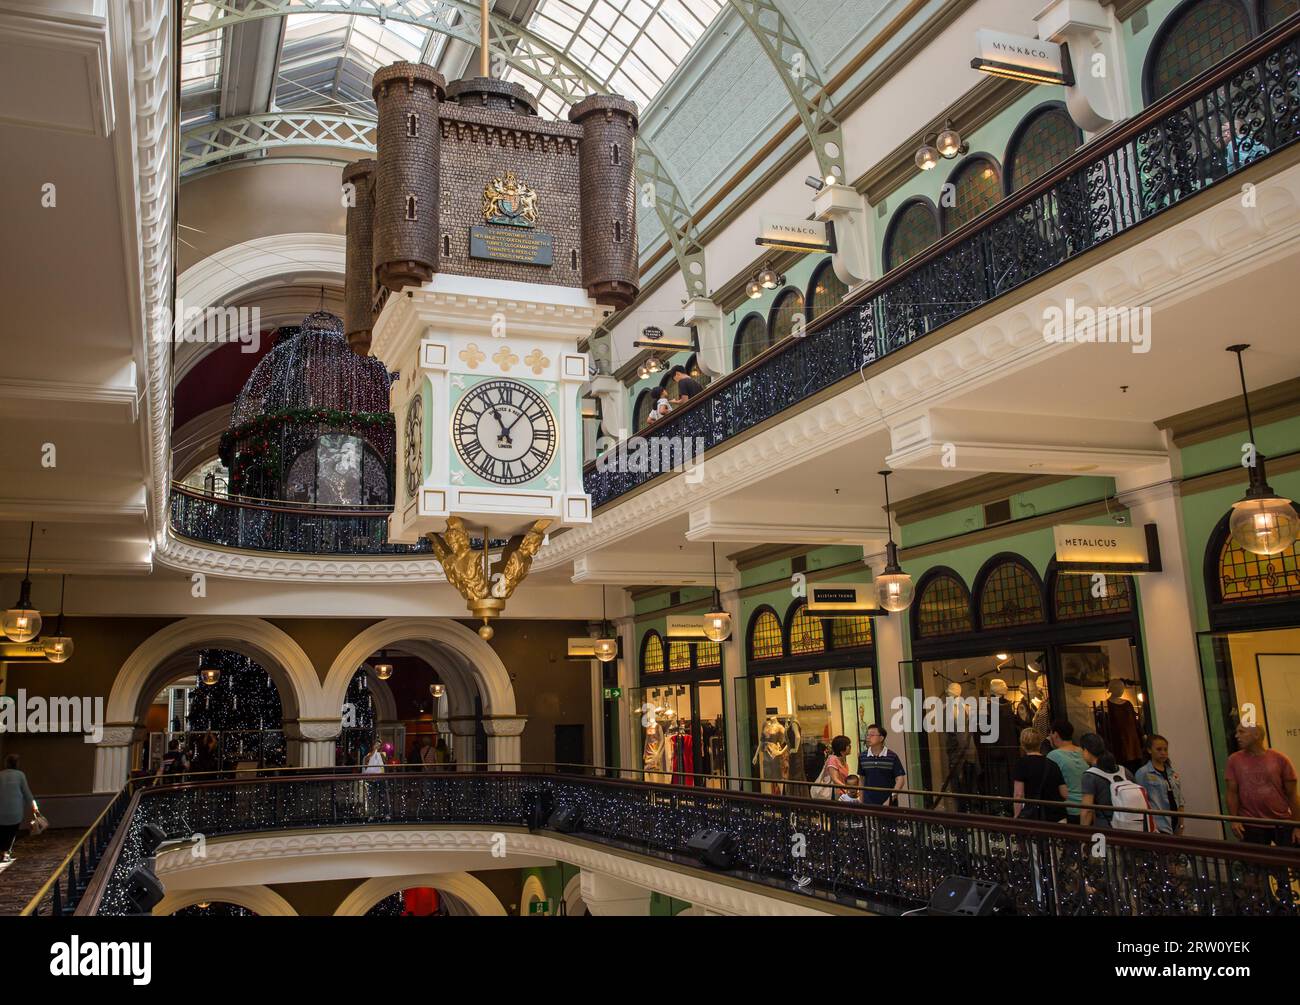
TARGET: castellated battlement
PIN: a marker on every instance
(469, 180)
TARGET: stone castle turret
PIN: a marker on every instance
(606, 156)
(359, 284)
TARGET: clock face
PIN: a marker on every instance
(414, 446)
(504, 432)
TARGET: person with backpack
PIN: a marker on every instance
(1035, 776)
(1113, 786)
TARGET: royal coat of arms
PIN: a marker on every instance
(510, 202)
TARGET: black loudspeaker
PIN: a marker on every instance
(151, 836)
(960, 896)
(566, 819)
(714, 848)
(540, 804)
(144, 891)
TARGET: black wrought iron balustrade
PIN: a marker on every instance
(258, 526)
(887, 857)
(1233, 115)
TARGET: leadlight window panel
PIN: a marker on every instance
(1050, 138)
(806, 634)
(1010, 597)
(765, 641)
(1205, 34)
(1277, 11)
(913, 230)
(851, 633)
(679, 655)
(708, 654)
(652, 654)
(943, 608)
(1074, 598)
(787, 311)
(1243, 576)
(751, 339)
(827, 290)
(644, 402)
(976, 188)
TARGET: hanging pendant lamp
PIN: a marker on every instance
(1263, 523)
(893, 586)
(58, 647)
(717, 623)
(606, 647)
(22, 622)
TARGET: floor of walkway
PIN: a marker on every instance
(34, 859)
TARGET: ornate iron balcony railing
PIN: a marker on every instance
(890, 858)
(283, 527)
(1245, 109)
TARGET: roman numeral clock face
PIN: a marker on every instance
(504, 432)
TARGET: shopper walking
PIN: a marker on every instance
(16, 801)
(1262, 783)
(881, 769)
(1164, 787)
(834, 774)
(1069, 758)
(1035, 776)
(1111, 785)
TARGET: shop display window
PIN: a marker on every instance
(680, 733)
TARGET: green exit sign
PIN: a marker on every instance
(613, 692)
(539, 907)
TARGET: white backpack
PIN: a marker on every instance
(1125, 796)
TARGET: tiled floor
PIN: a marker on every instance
(35, 859)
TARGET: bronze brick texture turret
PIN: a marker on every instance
(407, 97)
(359, 273)
(606, 164)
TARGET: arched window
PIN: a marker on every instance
(652, 653)
(943, 607)
(914, 228)
(787, 312)
(751, 339)
(825, 291)
(693, 368)
(708, 654)
(1010, 594)
(1274, 12)
(644, 402)
(1043, 140)
(806, 633)
(1076, 596)
(679, 655)
(1246, 577)
(1193, 38)
(765, 642)
(976, 186)
(851, 633)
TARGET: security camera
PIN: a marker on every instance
(814, 183)
(1119, 518)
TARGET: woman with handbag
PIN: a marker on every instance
(834, 775)
(15, 799)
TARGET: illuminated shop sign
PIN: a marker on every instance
(843, 600)
(1021, 58)
(686, 627)
(1088, 548)
(794, 233)
(585, 649)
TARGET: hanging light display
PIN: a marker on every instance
(754, 289)
(58, 647)
(383, 670)
(209, 672)
(437, 691)
(605, 647)
(893, 586)
(717, 623)
(1263, 523)
(769, 278)
(22, 622)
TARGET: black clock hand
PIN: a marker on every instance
(505, 432)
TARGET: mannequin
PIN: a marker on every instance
(1000, 757)
(1041, 717)
(1123, 727)
(960, 747)
(772, 752)
(655, 756)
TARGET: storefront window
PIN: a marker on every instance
(680, 733)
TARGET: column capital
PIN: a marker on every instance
(120, 734)
(313, 729)
(504, 725)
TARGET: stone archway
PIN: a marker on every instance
(261, 900)
(475, 671)
(154, 661)
(473, 892)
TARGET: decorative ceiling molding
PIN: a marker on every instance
(1209, 422)
(972, 492)
(58, 50)
(191, 556)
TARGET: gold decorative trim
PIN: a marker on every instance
(472, 356)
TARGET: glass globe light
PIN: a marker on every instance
(754, 289)
(769, 278)
(717, 626)
(894, 591)
(58, 648)
(606, 649)
(1263, 525)
(927, 158)
(383, 670)
(21, 624)
(437, 690)
(949, 142)
(209, 675)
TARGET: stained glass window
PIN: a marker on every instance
(1010, 597)
(806, 633)
(787, 311)
(1205, 34)
(644, 402)
(751, 339)
(1083, 596)
(850, 633)
(652, 653)
(976, 187)
(1243, 576)
(708, 654)
(943, 608)
(679, 655)
(765, 637)
(826, 290)
(913, 229)
(1276, 11)
(1047, 140)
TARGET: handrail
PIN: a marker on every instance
(866, 299)
(284, 505)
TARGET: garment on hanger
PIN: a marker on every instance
(656, 754)
(1123, 730)
(683, 759)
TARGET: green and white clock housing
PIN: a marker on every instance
(489, 424)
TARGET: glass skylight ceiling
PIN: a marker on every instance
(201, 74)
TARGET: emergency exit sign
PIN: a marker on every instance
(612, 693)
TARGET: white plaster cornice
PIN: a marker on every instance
(231, 563)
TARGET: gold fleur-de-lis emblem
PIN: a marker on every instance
(504, 358)
(536, 361)
(473, 356)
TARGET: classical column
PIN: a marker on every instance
(733, 668)
(1177, 696)
(889, 634)
(464, 730)
(312, 743)
(629, 751)
(113, 756)
(606, 896)
(504, 746)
